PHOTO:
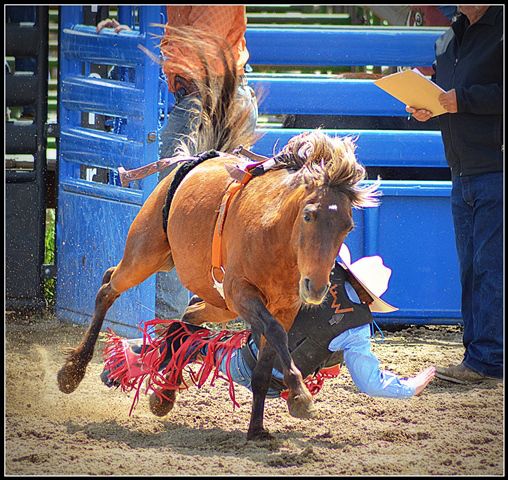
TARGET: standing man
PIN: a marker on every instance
(229, 23)
(469, 67)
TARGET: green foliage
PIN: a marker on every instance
(49, 256)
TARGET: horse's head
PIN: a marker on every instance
(328, 186)
(323, 223)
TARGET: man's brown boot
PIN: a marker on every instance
(460, 374)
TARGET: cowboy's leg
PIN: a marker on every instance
(161, 402)
(198, 311)
(241, 372)
(174, 338)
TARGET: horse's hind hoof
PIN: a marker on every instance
(162, 406)
(69, 377)
(300, 406)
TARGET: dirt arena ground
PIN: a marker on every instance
(449, 430)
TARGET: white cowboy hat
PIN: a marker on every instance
(372, 272)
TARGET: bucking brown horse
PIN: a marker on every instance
(279, 235)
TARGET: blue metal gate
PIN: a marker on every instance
(94, 211)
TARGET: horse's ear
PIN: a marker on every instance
(306, 178)
(309, 187)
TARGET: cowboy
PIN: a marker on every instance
(320, 341)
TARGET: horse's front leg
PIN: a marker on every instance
(260, 382)
(249, 303)
(300, 401)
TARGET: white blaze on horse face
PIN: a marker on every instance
(333, 207)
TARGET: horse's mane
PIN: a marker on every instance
(329, 161)
(323, 160)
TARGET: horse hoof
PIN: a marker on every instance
(160, 407)
(301, 406)
(263, 435)
(69, 377)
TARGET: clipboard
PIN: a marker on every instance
(414, 89)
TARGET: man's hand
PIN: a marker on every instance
(420, 115)
(111, 23)
(448, 101)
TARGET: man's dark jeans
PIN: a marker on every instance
(477, 208)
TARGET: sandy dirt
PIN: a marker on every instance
(449, 430)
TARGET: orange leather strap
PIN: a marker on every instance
(230, 193)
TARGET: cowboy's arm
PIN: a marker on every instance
(363, 365)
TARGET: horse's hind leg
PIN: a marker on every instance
(146, 251)
(107, 275)
(122, 277)
(73, 371)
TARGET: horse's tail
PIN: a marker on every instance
(225, 119)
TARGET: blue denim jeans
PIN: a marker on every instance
(171, 297)
(362, 364)
(477, 209)
(241, 373)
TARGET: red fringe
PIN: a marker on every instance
(315, 382)
(129, 370)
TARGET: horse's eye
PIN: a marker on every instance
(309, 213)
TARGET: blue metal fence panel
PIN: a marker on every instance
(281, 95)
(94, 217)
(412, 230)
(375, 148)
(342, 46)
(101, 96)
(81, 42)
(100, 149)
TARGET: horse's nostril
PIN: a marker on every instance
(312, 295)
(310, 288)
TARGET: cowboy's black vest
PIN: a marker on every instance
(314, 328)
